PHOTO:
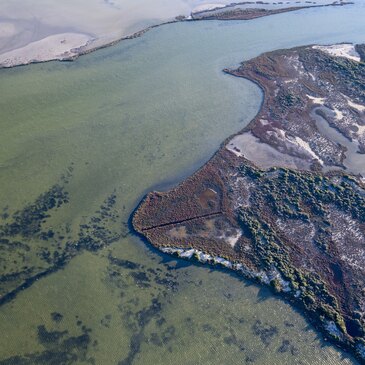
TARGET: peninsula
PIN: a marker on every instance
(283, 201)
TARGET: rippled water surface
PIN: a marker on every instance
(140, 115)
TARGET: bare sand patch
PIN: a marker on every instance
(346, 50)
(319, 101)
(59, 46)
(206, 7)
(358, 107)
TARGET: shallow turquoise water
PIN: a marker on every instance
(139, 115)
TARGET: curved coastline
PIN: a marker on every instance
(130, 248)
(271, 278)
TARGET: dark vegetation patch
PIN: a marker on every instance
(302, 197)
(57, 317)
(49, 337)
(214, 332)
(287, 346)
(230, 13)
(160, 321)
(168, 283)
(144, 319)
(121, 269)
(250, 360)
(141, 279)
(141, 319)
(27, 222)
(126, 264)
(61, 348)
(31, 248)
(155, 339)
(265, 332)
(232, 340)
(288, 324)
(106, 320)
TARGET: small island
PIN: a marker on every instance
(283, 201)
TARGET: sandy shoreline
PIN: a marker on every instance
(64, 32)
(60, 46)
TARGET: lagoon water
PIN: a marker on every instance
(143, 115)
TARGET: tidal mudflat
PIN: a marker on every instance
(100, 129)
(38, 31)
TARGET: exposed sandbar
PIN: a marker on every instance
(31, 31)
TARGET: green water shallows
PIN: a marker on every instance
(138, 115)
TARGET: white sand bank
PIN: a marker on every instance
(59, 46)
(341, 50)
(37, 22)
(206, 7)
